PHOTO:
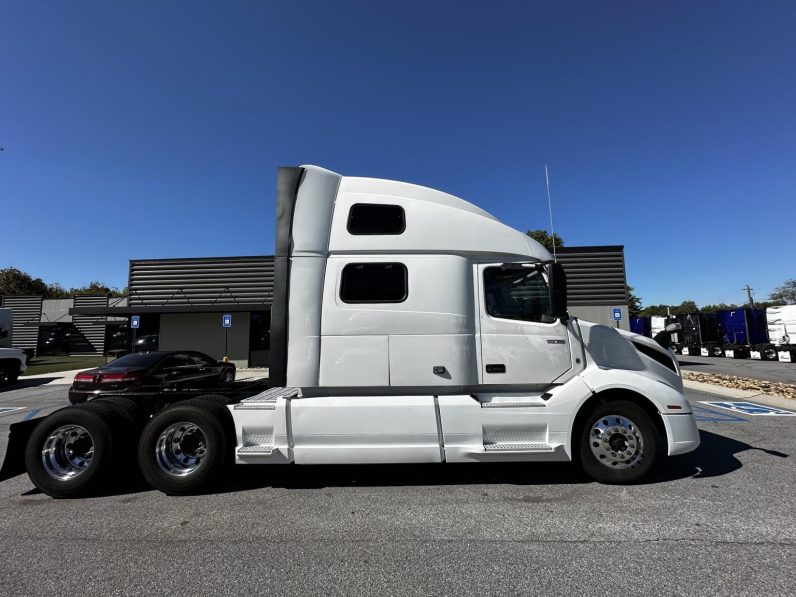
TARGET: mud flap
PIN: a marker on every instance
(14, 462)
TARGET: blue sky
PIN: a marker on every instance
(153, 129)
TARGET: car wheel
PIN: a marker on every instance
(186, 447)
(72, 452)
(619, 443)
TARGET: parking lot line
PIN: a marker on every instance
(702, 414)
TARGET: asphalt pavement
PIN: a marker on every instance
(765, 370)
(719, 521)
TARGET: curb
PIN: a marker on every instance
(775, 401)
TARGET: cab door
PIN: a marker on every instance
(521, 343)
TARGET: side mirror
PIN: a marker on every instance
(558, 291)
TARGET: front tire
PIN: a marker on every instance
(186, 448)
(619, 443)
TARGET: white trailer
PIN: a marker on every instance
(408, 325)
(782, 331)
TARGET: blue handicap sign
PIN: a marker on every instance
(749, 408)
(135, 322)
(617, 313)
(226, 321)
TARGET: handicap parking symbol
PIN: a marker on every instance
(749, 408)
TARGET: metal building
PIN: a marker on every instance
(596, 283)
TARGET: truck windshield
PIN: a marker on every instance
(517, 293)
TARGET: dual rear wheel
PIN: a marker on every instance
(80, 450)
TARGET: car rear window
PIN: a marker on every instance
(136, 360)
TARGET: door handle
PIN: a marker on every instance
(496, 368)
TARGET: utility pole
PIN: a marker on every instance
(749, 294)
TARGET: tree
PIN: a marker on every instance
(98, 288)
(14, 281)
(687, 306)
(654, 311)
(719, 307)
(633, 303)
(545, 239)
(785, 294)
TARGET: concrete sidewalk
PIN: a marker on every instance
(775, 401)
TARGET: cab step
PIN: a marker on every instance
(255, 450)
(519, 447)
(266, 400)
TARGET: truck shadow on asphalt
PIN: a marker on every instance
(715, 457)
(23, 383)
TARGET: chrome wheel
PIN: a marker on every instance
(180, 449)
(67, 452)
(616, 442)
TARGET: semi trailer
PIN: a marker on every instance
(408, 325)
(641, 326)
(741, 331)
(782, 331)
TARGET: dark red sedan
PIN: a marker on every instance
(151, 372)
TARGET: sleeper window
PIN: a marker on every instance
(517, 293)
(374, 283)
(372, 218)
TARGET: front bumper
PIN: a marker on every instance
(682, 434)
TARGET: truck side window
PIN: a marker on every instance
(374, 283)
(517, 293)
(373, 218)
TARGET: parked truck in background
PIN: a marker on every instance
(699, 334)
(408, 325)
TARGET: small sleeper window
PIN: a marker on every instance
(374, 283)
(373, 218)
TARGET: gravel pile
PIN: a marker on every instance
(771, 388)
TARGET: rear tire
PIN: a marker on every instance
(619, 443)
(73, 451)
(187, 447)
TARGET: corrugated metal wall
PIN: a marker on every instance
(26, 313)
(595, 275)
(56, 310)
(204, 281)
(90, 338)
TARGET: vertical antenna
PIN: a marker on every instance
(550, 211)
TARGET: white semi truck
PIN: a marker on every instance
(407, 325)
